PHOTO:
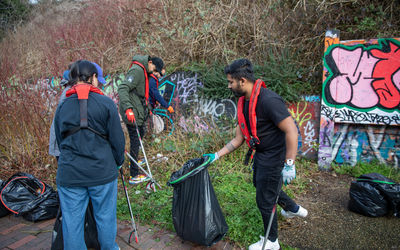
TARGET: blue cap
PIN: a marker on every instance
(100, 77)
(66, 75)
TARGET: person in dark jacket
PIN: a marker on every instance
(91, 147)
(53, 146)
(154, 95)
(134, 105)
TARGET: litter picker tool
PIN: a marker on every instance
(271, 218)
(149, 175)
(134, 229)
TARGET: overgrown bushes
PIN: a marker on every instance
(185, 32)
(25, 110)
(283, 38)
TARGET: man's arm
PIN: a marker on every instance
(288, 126)
(233, 144)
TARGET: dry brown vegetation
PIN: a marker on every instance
(180, 31)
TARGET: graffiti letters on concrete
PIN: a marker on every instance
(187, 84)
(364, 79)
(306, 115)
(207, 113)
(110, 89)
(354, 143)
(361, 89)
(346, 115)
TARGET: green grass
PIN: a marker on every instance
(365, 168)
(232, 182)
(235, 193)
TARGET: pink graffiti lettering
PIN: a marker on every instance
(353, 84)
(365, 78)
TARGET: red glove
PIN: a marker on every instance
(171, 109)
(130, 115)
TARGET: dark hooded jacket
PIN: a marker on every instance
(86, 158)
(131, 91)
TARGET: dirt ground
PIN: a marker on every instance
(330, 225)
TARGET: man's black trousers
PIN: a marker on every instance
(135, 144)
(266, 183)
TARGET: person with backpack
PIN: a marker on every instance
(53, 146)
(271, 134)
(91, 141)
(134, 105)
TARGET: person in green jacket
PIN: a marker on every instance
(133, 104)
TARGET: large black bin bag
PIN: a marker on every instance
(3, 210)
(374, 195)
(196, 213)
(27, 196)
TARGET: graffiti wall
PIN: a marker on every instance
(355, 119)
(179, 89)
(353, 143)
(198, 113)
(360, 101)
(306, 114)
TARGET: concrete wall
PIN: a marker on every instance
(355, 119)
(360, 101)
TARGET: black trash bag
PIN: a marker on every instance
(374, 195)
(46, 209)
(27, 196)
(3, 210)
(387, 187)
(392, 194)
(196, 213)
(90, 231)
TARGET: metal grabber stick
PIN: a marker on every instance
(271, 218)
(134, 230)
(151, 177)
(144, 153)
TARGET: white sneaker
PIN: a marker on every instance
(268, 245)
(301, 213)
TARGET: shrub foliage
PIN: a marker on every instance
(283, 38)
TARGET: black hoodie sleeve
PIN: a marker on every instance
(116, 135)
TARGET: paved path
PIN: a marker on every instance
(18, 233)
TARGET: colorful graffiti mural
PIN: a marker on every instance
(306, 114)
(361, 87)
(207, 113)
(180, 89)
(353, 143)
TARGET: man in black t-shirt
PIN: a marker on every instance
(275, 147)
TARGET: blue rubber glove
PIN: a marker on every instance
(288, 173)
(213, 157)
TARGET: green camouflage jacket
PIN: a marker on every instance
(131, 92)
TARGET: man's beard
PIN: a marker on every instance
(238, 93)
